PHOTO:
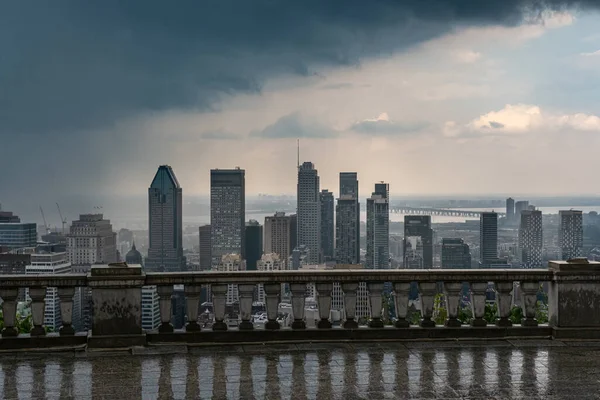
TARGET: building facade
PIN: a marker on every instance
(347, 249)
(204, 236)
(455, 254)
(267, 262)
(227, 213)
(309, 211)
(570, 234)
(279, 236)
(254, 244)
(520, 206)
(165, 207)
(510, 209)
(488, 238)
(229, 263)
(530, 239)
(327, 226)
(91, 240)
(16, 235)
(349, 187)
(378, 229)
(418, 226)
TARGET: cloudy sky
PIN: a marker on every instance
(432, 96)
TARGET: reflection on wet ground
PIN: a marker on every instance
(421, 370)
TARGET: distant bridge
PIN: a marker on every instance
(439, 211)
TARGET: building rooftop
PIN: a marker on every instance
(416, 370)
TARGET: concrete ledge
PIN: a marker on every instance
(576, 333)
(116, 341)
(51, 340)
(339, 334)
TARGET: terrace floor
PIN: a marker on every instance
(502, 369)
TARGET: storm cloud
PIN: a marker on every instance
(69, 65)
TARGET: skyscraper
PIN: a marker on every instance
(14, 234)
(349, 187)
(570, 234)
(91, 240)
(165, 207)
(254, 244)
(510, 209)
(227, 213)
(327, 225)
(520, 206)
(488, 238)
(279, 238)
(347, 248)
(378, 229)
(205, 247)
(309, 211)
(419, 226)
(455, 253)
(530, 239)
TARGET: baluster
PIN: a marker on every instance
(272, 293)
(376, 302)
(452, 292)
(530, 291)
(246, 293)
(65, 296)
(164, 300)
(219, 293)
(9, 311)
(298, 293)
(324, 298)
(349, 289)
(478, 292)
(401, 293)
(38, 308)
(192, 298)
(504, 303)
(427, 292)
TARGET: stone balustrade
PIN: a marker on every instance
(573, 299)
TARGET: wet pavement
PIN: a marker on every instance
(416, 370)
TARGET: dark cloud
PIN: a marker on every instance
(383, 127)
(294, 126)
(496, 125)
(70, 65)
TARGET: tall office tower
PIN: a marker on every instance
(455, 253)
(327, 225)
(254, 244)
(267, 262)
(280, 233)
(349, 187)
(510, 209)
(205, 247)
(418, 226)
(14, 234)
(520, 206)
(165, 206)
(91, 240)
(45, 263)
(229, 263)
(309, 211)
(570, 234)
(488, 238)
(530, 239)
(347, 246)
(150, 303)
(378, 228)
(227, 213)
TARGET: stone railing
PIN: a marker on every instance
(573, 299)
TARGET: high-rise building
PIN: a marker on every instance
(205, 247)
(280, 233)
(14, 264)
(267, 262)
(91, 240)
(418, 226)
(570, 233)
(254, 244)
(309, 211)
(520, 206)
(7, 217)
(530, 239)
(510, 209)
(229, 263)
(455, 253)
(327, 225)
(488, 238)
(347, 248)
(165, 206)
(349, 186)
(378, 228)
(227, 213)
(14, 234)
(413, 252)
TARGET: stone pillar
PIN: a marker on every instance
(530, 291)
(38, 309)
(246, 293)
(272, 292)
(349, 289)
(324, 300)
(376, 303)
(219, 293)
(478, 291)
(165, 294)
(427, 291)
(117, 305)
(65, 295)
(504, 302)
(401, 293)
(9, 311)
(298, 296)
(452, 292)
(192, 298)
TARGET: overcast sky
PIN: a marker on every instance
(432, 96)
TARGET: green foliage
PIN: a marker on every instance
(465, 315)
(440, 314)
(516, 315)
(541, 313)
(24, 325)
(491, 311)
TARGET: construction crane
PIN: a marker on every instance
(44, 218)
(62, 220)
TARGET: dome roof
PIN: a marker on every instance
(133, 256)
